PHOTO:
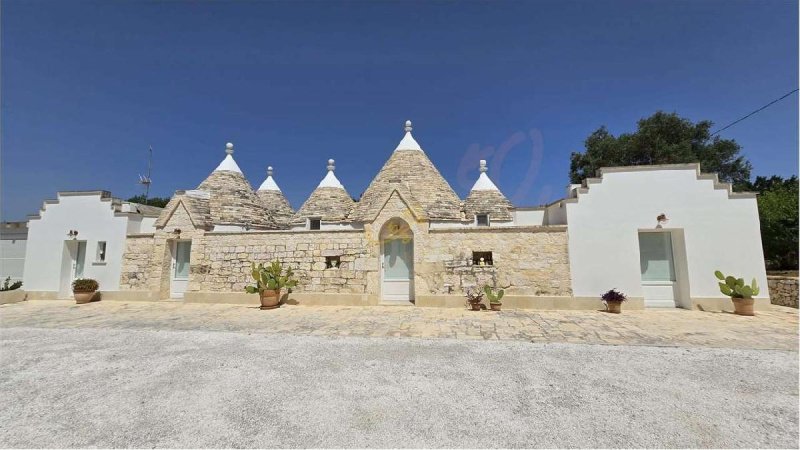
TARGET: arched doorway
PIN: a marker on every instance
(397, 261)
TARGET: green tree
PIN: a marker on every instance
(778, 212)
(152, 201)
(663, 138)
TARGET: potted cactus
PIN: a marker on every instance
(494, 297)
(84, 289)
(613, 300)
(741, 294)
(269, 282)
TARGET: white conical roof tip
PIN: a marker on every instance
(330, 179)
(408, 142)
(269, 184)
(228, 163)
(484, 183)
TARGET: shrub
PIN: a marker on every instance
(474, 295)
(614, 296)
(9, 286)
(85, 285)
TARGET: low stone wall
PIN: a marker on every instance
(783, 290)
(15, 296)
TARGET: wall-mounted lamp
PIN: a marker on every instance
(662, 220)
(73, 234)
(176, 231)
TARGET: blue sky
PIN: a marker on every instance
(88, 86)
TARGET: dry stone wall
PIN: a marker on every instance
(783, 290)
(526, 261)
(224, 266)
(136, 262)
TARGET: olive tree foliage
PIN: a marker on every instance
(663, 138)
(152, 201)
(778, 213)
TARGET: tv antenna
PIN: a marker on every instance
(145, 179)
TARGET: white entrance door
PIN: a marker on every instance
(180, 268)
(80, 260)
(658, 269)
(398, 269)
(73, 265)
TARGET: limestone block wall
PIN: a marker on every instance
(136, 262)
(527, 261)
(224, 263)
(783, 290)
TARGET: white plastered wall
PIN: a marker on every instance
(716, 232)
(95, 220)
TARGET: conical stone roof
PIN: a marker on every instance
(274, 201)
(232, 200)
(486, 198)
(410, 166)
(329, 201)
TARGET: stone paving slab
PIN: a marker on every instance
(775, 328)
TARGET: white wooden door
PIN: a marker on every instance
(181, 250)
(398, 270)
(72, 266)
(658, 269)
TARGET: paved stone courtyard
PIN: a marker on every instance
(776, 328)
(172, 374)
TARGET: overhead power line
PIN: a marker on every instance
(754, 112)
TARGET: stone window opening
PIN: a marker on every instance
(482, 259)
(482, 220)
(332, 262)
(314, 223)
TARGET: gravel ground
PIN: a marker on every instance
(145, 388)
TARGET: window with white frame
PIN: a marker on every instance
(314, 223)
(482, 220)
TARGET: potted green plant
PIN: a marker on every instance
(613, 300)
(84, 289)
(494, 296)
(270, 280)
(9, 286)
(474, 298)
(741, 294)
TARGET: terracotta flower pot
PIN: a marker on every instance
(270, 299)
(743, 306)
(495, 306)
(614, 307)
(83, 297)
(475, 306)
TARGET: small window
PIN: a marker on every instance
(101, 251)
(331, 262)
(482, 259)
(482, 220)
(314, 224)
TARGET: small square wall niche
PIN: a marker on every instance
(332, 262)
